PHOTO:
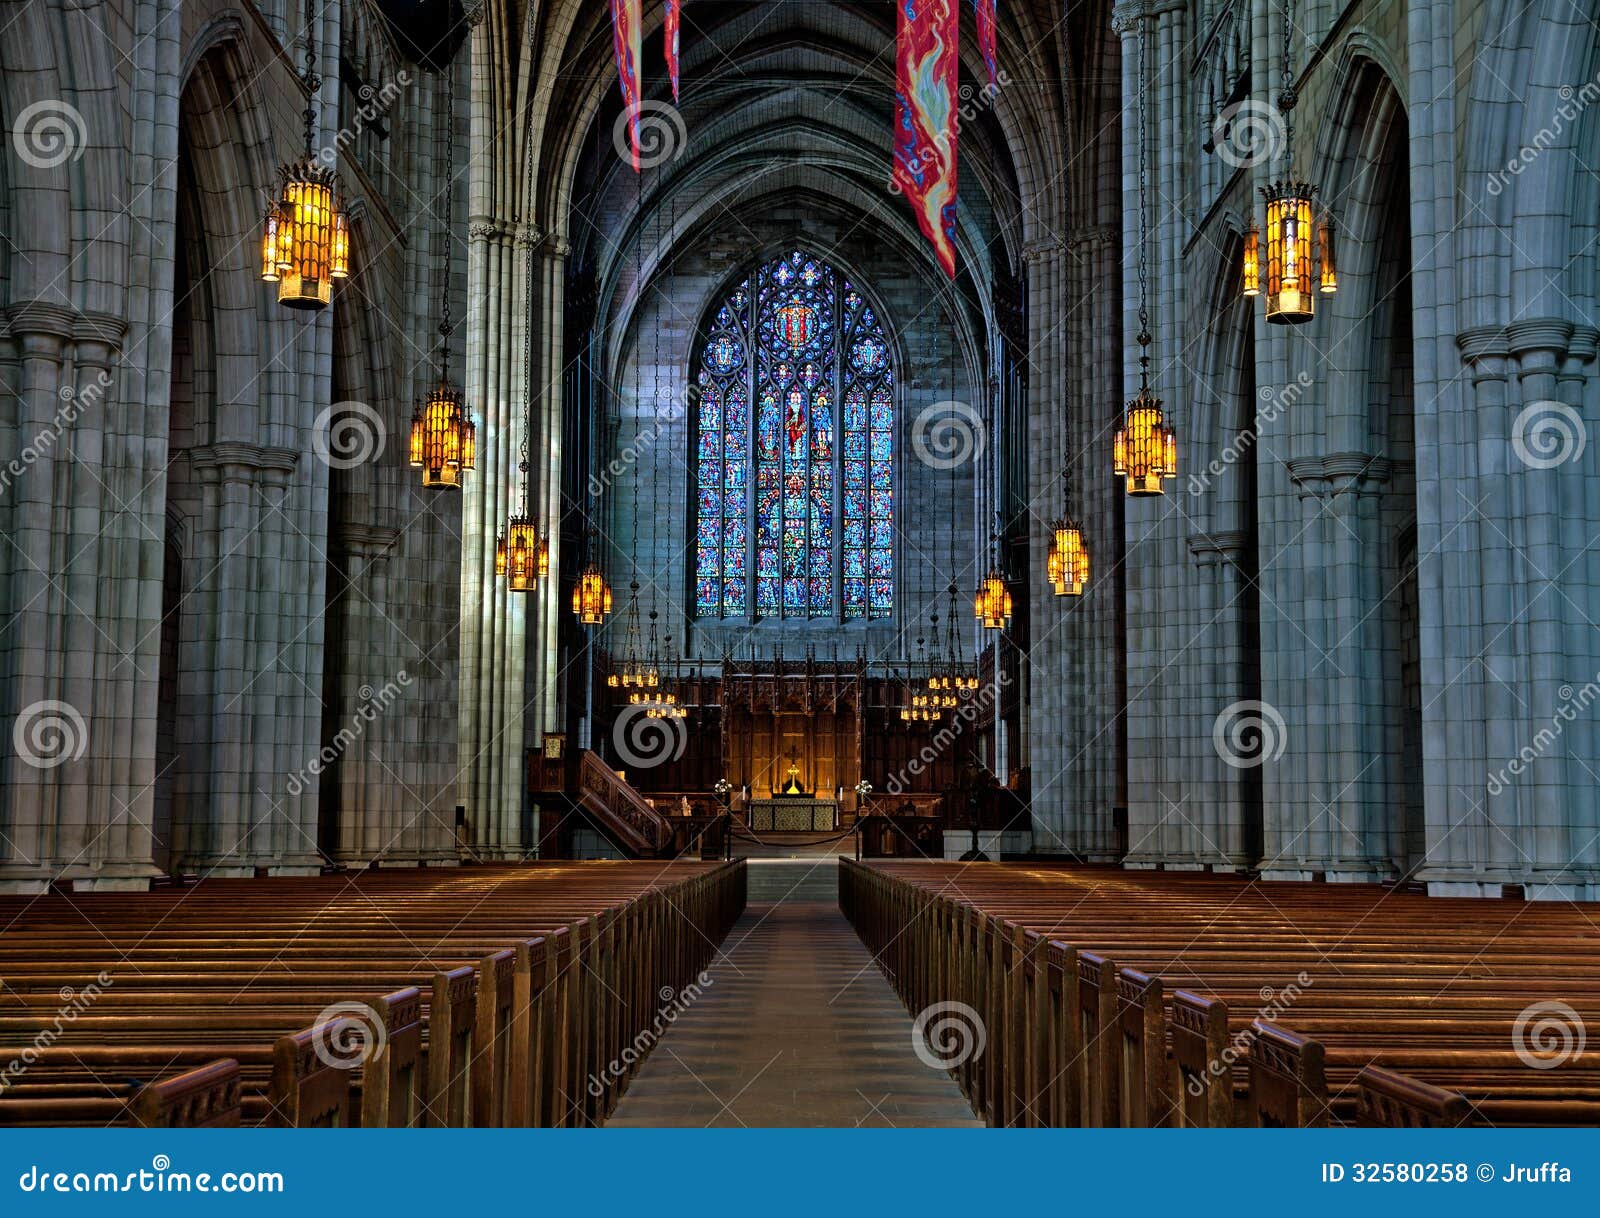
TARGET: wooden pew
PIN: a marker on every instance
(393, 1084)
(1288, 1080)
(1145, 1074)
(203, 1098)
(310, 1080)
(1200, 1052)
(1396, 1101)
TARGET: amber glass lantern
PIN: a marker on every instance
(444, 442)
(521, 554)
(1328, 274)
(1251, 271)
(591, 596)
(305, 243)
(1290, 300)
(305, 238)
(1145, 448)
(1068, 562)
(992, 605)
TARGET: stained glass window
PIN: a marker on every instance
(795, 450)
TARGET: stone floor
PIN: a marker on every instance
(798, 1027)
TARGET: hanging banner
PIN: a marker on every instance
(674, 18)
(925, 119)
(625, 22)
(986, 39)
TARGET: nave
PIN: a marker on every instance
(793, 992)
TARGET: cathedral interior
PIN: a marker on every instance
(648, 484)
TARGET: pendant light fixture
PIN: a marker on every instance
(1145, 448)
(992, 604)
(963, 676)
(591, 595)
(444, 440)
(522, 552)
(305, 238)
(1067, 563)
(1292, 281)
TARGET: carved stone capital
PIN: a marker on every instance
(237, 461)
(1339, 473)
(42, 319)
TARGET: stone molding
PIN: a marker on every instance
(1339, 473)
(41, 317)
(237, 461)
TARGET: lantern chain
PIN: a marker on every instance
(1287, 95)
(313, 81)
(1144, 218)
(446, 128)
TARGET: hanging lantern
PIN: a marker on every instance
(521, 554)
(1328, 279)
(1289, 270)
(1145, 447)
(1068, 561)
(992, 605)
(796, 323)
(444, 441)
(591, 596)
(1252, 261)
(305, 238)
(305, 242)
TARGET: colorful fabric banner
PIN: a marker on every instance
(625, 22)
(674, 17)
(926, 64)
(986, 39)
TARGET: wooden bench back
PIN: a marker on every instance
(1099, 1040)
(1145, 1075)
(450, 1027)
(392, 1082)
(492, 1038)
(204, 1098)
(1288, 1079)
(1398, 1101)
(1204, 1077)
(311, 1083)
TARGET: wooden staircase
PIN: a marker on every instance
(624, 815)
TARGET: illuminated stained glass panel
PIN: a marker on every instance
(795, 450)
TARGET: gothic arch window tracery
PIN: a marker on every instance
(794, 452)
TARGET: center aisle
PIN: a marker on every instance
(798, 1027)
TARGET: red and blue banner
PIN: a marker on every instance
(926, 66)
(986, 39)
(670, 33)
(626, 18)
